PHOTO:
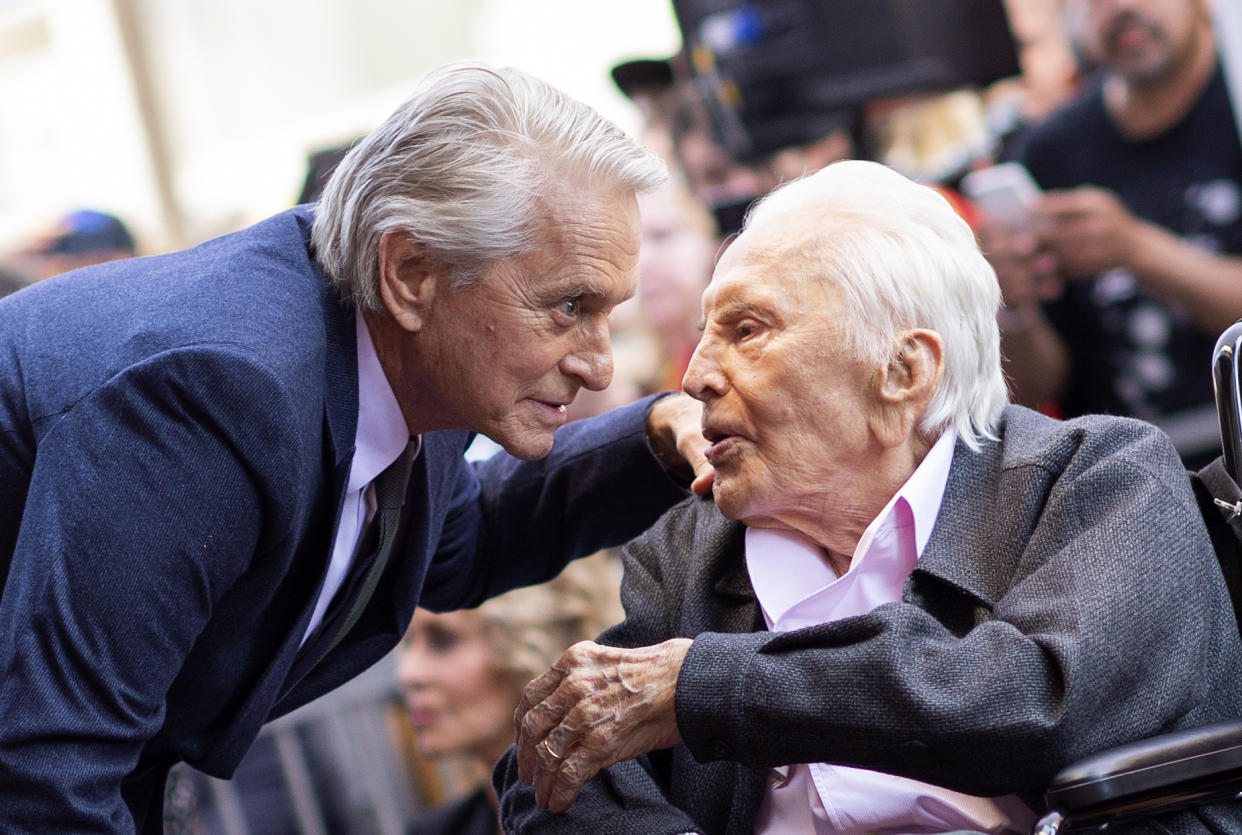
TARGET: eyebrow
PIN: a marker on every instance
(732, 311)
(572, 288)
(737, 310)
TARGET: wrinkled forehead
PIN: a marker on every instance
(777, 260)
(590, 236)
(598, 214)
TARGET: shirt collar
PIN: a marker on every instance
(924, 489)
(787, 569)
(382, 431)
(917, 501)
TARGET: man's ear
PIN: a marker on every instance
(905, 385)
(408, 279)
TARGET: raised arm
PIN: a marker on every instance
(519, 522)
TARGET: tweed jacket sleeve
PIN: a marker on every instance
(1068, 601)
(630, 797)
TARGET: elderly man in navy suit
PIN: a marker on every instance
(227, 475)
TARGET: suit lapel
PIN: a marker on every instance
(340, 429)
(723, 549)
(340, 381)
(967, 523)
(720, 544)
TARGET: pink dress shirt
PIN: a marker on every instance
(382, 436)
(836, 800)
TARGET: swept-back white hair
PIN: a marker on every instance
(461, 167)
(903, 258)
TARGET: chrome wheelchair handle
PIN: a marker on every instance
(1228, 405)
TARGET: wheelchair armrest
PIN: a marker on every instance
(1174, 770)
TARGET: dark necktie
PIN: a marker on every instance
(390, 489)
(374, 552)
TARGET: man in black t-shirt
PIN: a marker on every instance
(1129, 269)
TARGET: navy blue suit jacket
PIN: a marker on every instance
(175, 436)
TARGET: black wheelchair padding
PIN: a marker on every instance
(1177, 770)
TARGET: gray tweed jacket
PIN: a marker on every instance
(1067, 601)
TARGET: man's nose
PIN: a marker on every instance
(591, 361)
(703, 379)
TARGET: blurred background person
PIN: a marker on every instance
(675, 261)
(727, 186)
(1129, 267)
(651, 85)
(81, 238)
(931, 138)
(461, 675)
(677, 124)
(1053, 66)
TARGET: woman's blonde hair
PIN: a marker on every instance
(529, 628)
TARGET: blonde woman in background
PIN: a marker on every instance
(461, 675)
(675, 261)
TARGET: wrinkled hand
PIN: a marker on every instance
(675, 432)
(1088, 229)
(597, 706)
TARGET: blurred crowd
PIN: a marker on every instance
(1122, 336)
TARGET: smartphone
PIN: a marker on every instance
(1004, 192)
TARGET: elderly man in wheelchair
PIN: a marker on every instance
(907, 605)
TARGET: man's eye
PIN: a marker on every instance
(569, 307)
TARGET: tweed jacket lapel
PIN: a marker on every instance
(721, 547)
(968, 515)
(734, 608)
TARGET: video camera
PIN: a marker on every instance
(774, 73)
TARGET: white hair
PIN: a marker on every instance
(462, 167)
(903, 258)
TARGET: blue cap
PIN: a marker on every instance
(86, 231)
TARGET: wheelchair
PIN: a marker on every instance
(1184, 769)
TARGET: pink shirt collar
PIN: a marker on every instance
(784, 564)
(828, 799)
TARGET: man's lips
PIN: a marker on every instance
(720, 442)
(555, 411)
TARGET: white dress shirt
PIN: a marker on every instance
(382, 436)
(837, 800)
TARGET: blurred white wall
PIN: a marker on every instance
(69, 127)
(189, 118)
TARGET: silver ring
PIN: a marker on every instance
(545, 746)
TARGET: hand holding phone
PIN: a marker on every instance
(1005, 193)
